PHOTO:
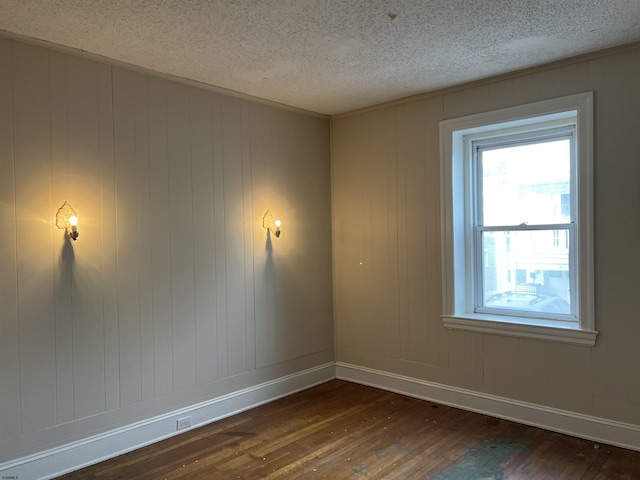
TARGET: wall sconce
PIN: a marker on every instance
(67, 219)
(269, 222)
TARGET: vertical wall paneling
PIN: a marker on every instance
(616, 175)
(127, 236)
(500, 357)
(263, 242)
(234, 234)
(529, 88)
(164, 299)
(367, 255)
(288, 284)
(203, 236)
(578, 379)
(289, 294)
(634, 388)
(109, 239)
(466, 360)
(62, 249)
(220, 234)
(308, 192)
(83, 150)
(498, 95)
(461, 102)
(608, 357)
(270, 328)
(402, 146)
(533, 365)
(574, 79)
(570, 377)
(390, 231)
(34, 234)
(350, 260)
(418, 232)
(9, 327)
(181, 221)
(317, 192)
(161, 236)
(384, 271)
(289, 313)
(145, 273)
(339, 149)
(437, 335)
(251, 221)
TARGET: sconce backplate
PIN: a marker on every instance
(62, 217)
(269, 222)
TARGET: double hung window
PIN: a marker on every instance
(517, 249)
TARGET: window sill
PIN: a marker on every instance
(516, 327)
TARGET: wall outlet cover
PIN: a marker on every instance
(184, 423)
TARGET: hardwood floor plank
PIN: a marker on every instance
(341, 430)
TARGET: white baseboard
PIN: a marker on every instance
(73, 456)
(584, 426)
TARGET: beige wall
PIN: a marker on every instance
(387, 247)
(172, 294)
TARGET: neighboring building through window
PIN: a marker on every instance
(517, 239)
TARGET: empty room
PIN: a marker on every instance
(333, 239)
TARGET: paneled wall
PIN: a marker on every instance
(387, 247)
(173, 293)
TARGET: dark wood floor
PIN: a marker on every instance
(340, 430)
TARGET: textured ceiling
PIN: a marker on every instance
(328, 56)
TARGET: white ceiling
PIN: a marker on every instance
(328, 56)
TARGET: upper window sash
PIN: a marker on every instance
(497, 141)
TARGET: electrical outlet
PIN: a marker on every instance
(184, 423)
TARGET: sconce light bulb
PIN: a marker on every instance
(73, 221)
(278, 223)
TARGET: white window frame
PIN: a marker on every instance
(457, 220)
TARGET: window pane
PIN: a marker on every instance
(526, 184)
(526, 270)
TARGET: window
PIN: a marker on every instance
(517, 228)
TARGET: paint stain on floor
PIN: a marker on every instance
(484, 461)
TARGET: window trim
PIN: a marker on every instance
(456, 264)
